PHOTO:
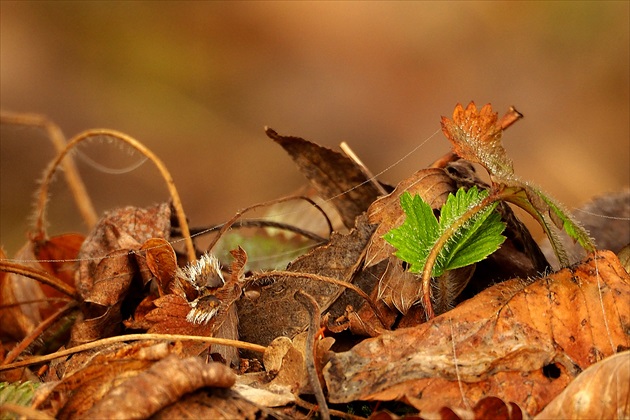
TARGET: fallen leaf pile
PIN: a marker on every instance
(133, 320)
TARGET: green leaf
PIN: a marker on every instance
(465, 241)
(415, 237)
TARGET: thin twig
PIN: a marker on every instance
(196, 231)
(228, 225)
(133, 337)
(32, 336)
(39, 275)
(312, 307)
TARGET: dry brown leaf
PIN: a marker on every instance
(521, 343)
(334, 176)
(161, 263)
(275, 312)
(217, 404)
(159, 386)
(600, 392)
(124, 228)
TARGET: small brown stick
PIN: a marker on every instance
(227, 225)
(368, 174)
(133, 337)
(259, 223)
(326, 279)
(81, 197)
(509, 118)
(312, 307)
(15, 352)
(39, 275)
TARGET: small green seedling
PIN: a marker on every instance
(469, 228)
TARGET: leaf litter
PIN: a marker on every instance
(120, 323)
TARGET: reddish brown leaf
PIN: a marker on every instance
(161, 262)
(169, 317)
(57, 256)
(17, 320)
(333, 175)
(476, 136)
(124, 228)
(546, 332)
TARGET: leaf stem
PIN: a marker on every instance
(448, 233)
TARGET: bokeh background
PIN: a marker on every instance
(198, 81)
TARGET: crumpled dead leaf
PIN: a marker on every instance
(160, 386)
(50, 255)
(106, 273)
(126, 228)
(600, 392)
(546, 331)
(334, 176)
(275, 313)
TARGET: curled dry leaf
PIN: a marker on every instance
(546, 331)
(600, 392)
(161, 263)
(334, 176)
(105, 278)
(159, 386)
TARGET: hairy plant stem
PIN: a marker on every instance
(493, 197)
(170, 184)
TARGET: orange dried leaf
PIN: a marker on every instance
(161, 261)
(476, 136)
(602, 391)
(546, 331)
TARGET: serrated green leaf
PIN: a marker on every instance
(465, 243)
(414, 238)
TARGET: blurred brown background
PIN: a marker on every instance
(198, 81)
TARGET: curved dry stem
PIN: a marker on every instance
(325, 279)
(133, 337)
(227, 225)
(177, 204)
(439, 245)
(39, 275)
(77, 188)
